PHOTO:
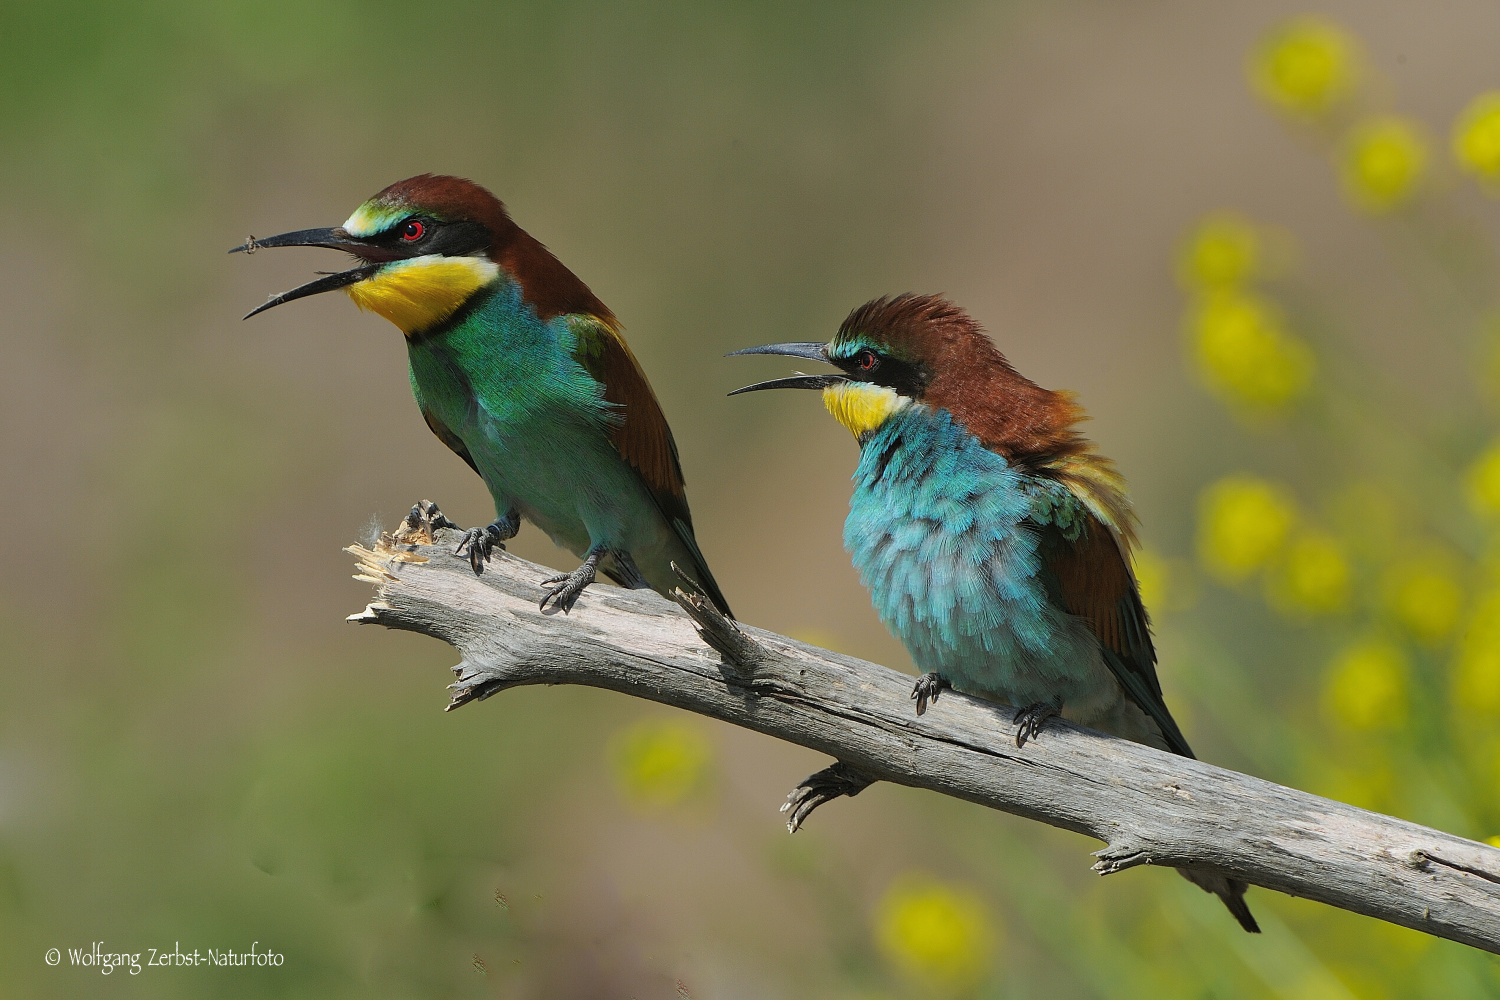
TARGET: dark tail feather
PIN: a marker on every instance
(1230, 890)
(699, 572)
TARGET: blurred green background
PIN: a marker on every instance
(1260, 249)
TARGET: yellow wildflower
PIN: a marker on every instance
(1366, 687)
(1476, 672)
(935, 932)
(1493, 841)
(1313, 576)
(1245, 355)
(1425, 594)
(1222, 251)
(1476, 138)
(1383, 163)
(659, 763)
(1305, 66)
(1243, 522)
(1484, 481)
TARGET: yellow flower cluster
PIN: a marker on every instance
(1424, 593)
(1476, 671)
(1366, 687)
(1305, 66)
(1484, 482)
(1240, 343)
(1246, 355)
(1476, 139)
(1223, 252)
(1243, 522)
(1248, 525)
(1313, 575)
(939, 934)
(1383, 163)
(658, 764)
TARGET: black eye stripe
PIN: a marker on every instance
(450, 239)
(869, 365)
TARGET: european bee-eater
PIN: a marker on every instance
(995, 541)
(524, 373)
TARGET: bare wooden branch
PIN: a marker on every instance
(1147, 806)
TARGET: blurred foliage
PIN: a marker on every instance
(193, 748)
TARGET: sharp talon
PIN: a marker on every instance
(927, 688)
(1029, 720)
(480, 544)
(570, 585)
(828, 784)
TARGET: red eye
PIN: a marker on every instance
(866, 360)
(412, 231)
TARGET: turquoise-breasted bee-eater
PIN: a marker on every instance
(995, 541)
(524, 373)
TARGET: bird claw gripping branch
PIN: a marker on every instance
(836, 780)
(421, 525)
(927, 688)
(1029, 720)
(569, 585)
(482, 542)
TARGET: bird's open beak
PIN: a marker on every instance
(334, 239)
(815, 352)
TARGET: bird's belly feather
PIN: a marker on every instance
(541, 441)
(938, 531)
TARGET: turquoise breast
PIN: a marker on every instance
(946, 535)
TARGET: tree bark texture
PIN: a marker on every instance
(1147, 806)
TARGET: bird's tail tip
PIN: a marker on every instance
(1235, 901)
(1230, 890)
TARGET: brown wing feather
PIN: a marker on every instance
(642, 435)
(1098, 587)
(1095, 583)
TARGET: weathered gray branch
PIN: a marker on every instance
(1149, 807)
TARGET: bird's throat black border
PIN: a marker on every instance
(457, 317)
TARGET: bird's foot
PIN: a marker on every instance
(481, 542)
(825, 786)
(567, 586)
(421, 524)
(927, 688)
(1029, 720)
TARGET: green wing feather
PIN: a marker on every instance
(641, 435)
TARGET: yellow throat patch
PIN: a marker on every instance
(862, 407)
(420, 293)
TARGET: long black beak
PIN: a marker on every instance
(794, 382)
(333, 239)
(327, 283)
(814, 352)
